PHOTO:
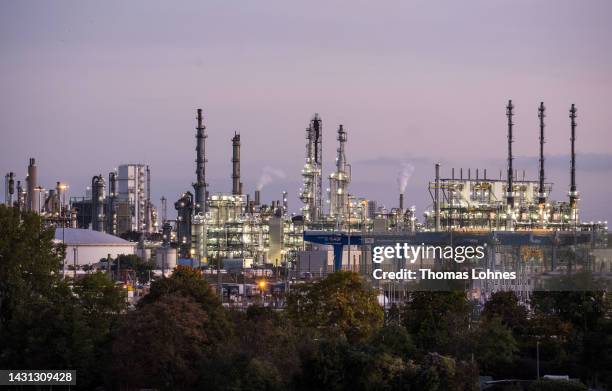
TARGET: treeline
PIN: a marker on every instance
(332, 336)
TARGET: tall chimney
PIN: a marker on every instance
(32, 204)
(573, 193)
(97, 206)
(200, 185)
(257, 197)
(111, 212)
(148, 209)
(437, 198)
(401, 202)
(236, 164)
(510, 187)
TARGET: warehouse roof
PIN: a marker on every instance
(76, 236)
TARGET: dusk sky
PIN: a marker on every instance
(86, 86)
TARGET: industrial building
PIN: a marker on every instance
(87, 247)
(525, 230)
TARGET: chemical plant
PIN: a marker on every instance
(523, 229)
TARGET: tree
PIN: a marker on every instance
(506, 306)
(29, 261)
(159, 345)
(342, 303)
(495, 346)
(444, 373)
(261, 376)
(134, 262)
(189, 282)
(394, 340)
(438, 321)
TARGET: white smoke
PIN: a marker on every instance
(403, 177)
(269, 175)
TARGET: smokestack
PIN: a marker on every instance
(541, 191)
(257, 199)
(97, 206)
(437, 198)
(32, 185)
(573, 193)
(485, 174)
(200, 185)
(510, 187)
(401, 202)
(236, 164)
(148, 209)
(111, 217)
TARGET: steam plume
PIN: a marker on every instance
(403, 177)
(269, 175)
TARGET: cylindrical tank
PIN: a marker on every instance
(144, 254)
(167, 260)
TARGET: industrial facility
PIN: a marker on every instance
(525, 230)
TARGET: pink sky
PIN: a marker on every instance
(86, 86)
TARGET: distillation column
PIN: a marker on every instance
(312, 192)
(200, 185)
(236, 185)
(510, 185)
(339, 182)
(541, 189)
(97, 203)
(573, 192)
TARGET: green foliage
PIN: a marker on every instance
(160, 344)
(29, 261)
(438, 321)
(342, 303)
(506, 307)
(261, 376)
(134, 262)
(495, 346)
(394, 340)
(44, 322)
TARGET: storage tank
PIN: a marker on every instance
(167, 260)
